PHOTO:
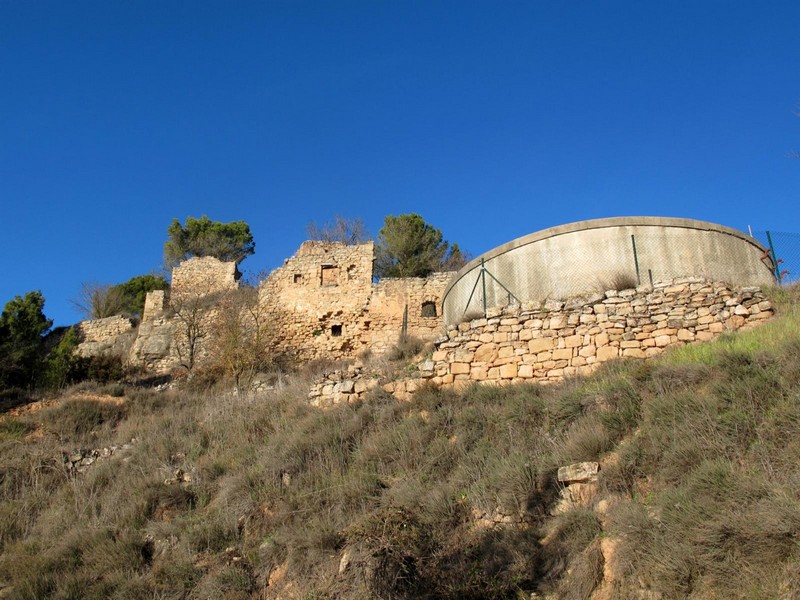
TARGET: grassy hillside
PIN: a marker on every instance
(448, 496)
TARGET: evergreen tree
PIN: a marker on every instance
(204, 237)
(22, 327)
(409, 247)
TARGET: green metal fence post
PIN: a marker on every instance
(775, 265)
(483, 278)
(636, 260)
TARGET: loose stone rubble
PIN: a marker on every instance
(79, 460)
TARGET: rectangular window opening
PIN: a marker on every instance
(330, 275)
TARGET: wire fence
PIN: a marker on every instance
(593, 263)
(785, 248)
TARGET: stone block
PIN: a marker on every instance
(633, 353)
(573, 341)
(562, 354)
(463, 356)
(485, 353)
(607, 353)
(459, 368)
(525, 371)
(508, 371)
(478, 373)
(664, 331)
(735, 322)
(663, 340)
(538, 345)
(505, 351)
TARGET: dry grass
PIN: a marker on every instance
(708, 447)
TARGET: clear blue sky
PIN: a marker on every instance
(491, 119)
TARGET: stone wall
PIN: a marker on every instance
(154, 348)
(325, 304)
(204, 275)
(422, 296)
(321, 303)
(545, 343)
(112, 335)
(177, 329)
(317, 297)
(154, 304)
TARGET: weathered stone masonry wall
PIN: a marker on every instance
(529, 342)
(390, 297)
(316, 297)
(547, 343)
(112, 335)
(325, 304)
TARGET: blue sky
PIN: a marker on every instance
(491, 119)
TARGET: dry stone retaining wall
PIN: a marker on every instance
(564, 338)
(549, 342)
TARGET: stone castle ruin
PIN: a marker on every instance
(321, 303)
(692, 280)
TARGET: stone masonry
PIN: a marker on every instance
(545, 343)
(326, 304)
(321, 303)
(163, 336)
(550, 342)
(112, 335)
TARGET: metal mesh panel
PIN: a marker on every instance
(786, 250)
(586, 262)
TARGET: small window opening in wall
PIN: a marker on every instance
(298, 278)
(429, 309)
(336, 330)
(330, 275)
(351, 272)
